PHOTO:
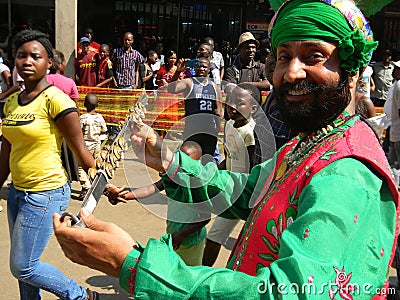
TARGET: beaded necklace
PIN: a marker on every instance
(297, 152)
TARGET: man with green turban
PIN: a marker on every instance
(321, 217)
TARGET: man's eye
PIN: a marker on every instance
(316, 56)
(283, 58)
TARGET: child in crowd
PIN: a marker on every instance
(56, 76)
(188, 238)
(94, 130)
(105, 75)
(239, 144)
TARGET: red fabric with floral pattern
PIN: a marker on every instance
(259, 242)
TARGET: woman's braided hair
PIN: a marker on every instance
(28, 35)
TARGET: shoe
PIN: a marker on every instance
(92, 295)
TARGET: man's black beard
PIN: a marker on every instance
(329, 102)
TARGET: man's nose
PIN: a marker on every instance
(295, 71)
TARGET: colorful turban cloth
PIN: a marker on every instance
(335, 21)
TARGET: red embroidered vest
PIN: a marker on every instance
(259, 242)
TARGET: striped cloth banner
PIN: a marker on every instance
(164, 111)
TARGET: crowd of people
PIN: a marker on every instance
(321, 211)
(132, 69)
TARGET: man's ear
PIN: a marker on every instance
(353, 78)
(253, 108)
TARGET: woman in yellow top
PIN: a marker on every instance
(35, 122)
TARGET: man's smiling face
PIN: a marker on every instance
(310, 92)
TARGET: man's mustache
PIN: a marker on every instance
(300, 85)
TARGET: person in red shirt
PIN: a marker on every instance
(86, 65)
(93, 46)
(105, 76)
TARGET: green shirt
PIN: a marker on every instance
(363, 244)
(179, 217)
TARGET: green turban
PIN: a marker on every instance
(301, 20)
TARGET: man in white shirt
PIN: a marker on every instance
(394, 153)
(383, 79)
(216, 57)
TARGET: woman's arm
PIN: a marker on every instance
(105, 82)
(143, 70)
(180, 67)
(70, 127)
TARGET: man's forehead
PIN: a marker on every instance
(305, 44)
(250, 44)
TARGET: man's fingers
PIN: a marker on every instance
(91, 222)
(57, 222)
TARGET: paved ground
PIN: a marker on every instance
(133, 217)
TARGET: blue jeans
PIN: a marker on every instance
(31, 226)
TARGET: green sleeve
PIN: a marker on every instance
(346, 220)
(128, 270)
(222, 192)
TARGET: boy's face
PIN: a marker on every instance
(104, 52)
(203, 69)
(203, 51)
(239, 105)
(85, 47)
